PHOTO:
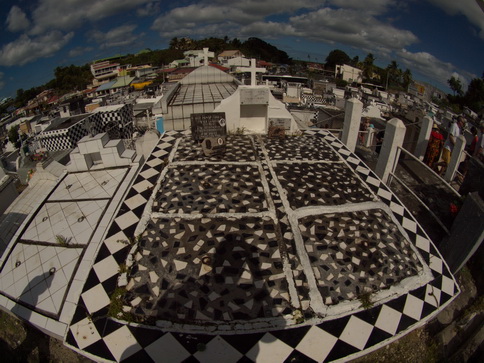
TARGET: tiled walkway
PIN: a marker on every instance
(179, 253)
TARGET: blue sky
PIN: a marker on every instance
(435, 39)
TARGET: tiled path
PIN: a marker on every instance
(368, 243)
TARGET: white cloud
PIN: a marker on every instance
(2, 82)
(27, 49)
(348, 27)
(189, 19)
(17, 20)
(469, 8)
(356, 25)
(428, 65)
(116, 37)
(373, 7)
(69, 14)
(74, 52)
(149, 9)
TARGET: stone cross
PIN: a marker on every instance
(253, 71)
(89, 126)
(205, 56)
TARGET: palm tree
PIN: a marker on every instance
(407, 78)
(368, 66)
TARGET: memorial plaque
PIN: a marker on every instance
(254, 96)
(208, 125)
(213, 146)
(285, 123)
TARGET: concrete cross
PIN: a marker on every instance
(253, 71)
(89, 127)
(205, 56)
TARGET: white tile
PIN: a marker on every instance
(112, 242)
(269, 349)
(317, 344)
(106, 268)
(56, 327)
(422, 243)
(121, 343)
(126, 220)
(95, 299)
(436, 264)
(448, 285)
(409, 224)
(432, 295)
(47, 304)
(135, 201)
(413, 307)
(167, 349)
(218, 350)
(85, 333)
(388, 320)
(356, 332)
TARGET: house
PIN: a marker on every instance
(229, 54)
(348, 73)
(197, 57)
(104, 70)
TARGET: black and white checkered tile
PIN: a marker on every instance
(63, 139)
(95, 334)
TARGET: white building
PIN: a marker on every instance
(348, 73)
(104, 70)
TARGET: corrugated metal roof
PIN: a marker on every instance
(105, 86)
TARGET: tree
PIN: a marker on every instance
(455, 85)
(474, 97)
(368, 66)
(394, 75)
(407, 78)
(337, 57)
(13, 136)
(355, 62)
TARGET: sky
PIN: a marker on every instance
(435, 39)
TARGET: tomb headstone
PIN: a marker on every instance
(276, 131)
(208, 125)
(214, 146)
(284, 123)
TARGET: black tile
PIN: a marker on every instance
(140, 356)
(103, 253)
(427, 309)
(291, 337)
(91, 281)
(340, 350)
(191, 342)
(335, 327)
(70, 339)
(377, 336)
(405, 323)
(100, 349)
(145, 336)
(110, 284)
(298, 357)
(243, 342)
(369, 315)
(398, 304)
(420, 292)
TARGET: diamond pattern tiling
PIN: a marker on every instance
(333, 339)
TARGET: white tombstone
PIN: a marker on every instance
(253, 71)
(423, 137)
(351, 127)
(205, 56)
(394, 135)
(455, 158)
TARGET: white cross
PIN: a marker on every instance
(205, 56)
(253, 71)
